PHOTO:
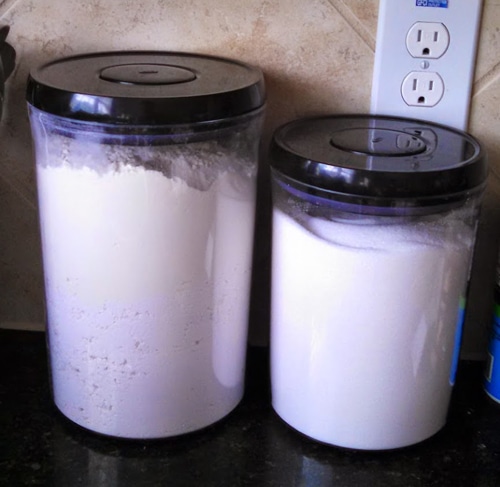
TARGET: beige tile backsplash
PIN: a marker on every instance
(317, 56)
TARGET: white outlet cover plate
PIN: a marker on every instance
(456, 66)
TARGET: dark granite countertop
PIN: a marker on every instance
(251, 447)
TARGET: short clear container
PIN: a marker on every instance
(374, 223)
(146, 172)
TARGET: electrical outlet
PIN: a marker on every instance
(425, 59)
(427, 40)
(422, 89)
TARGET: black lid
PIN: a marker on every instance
(378, 160)
(145, 88)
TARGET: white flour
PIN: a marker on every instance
(147, 284)
(363, 327)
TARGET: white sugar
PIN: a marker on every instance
(363, 326)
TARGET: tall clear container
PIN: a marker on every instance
(146, 172)
(374, 223)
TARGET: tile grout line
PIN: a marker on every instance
(6, 7)
(485, 81)
(346, 13)
(19, 193)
